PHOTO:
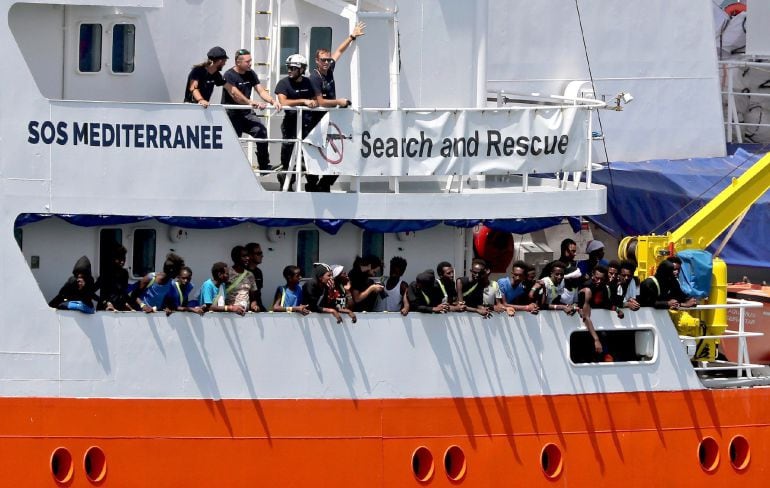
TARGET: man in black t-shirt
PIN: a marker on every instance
(205, 76)
(295, 91)
(239, 81)
(423, 295)
(596, 294)
(256, 255)
(322, 79)
(363, 290)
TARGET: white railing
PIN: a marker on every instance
(742, 365)
(733, 122)
(532, 103)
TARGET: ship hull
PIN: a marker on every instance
(628, 439)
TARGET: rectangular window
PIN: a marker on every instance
(90, 48)
(143, 252)
(109, 240)
(307, 251)
(373, 244)
(123, 44)
(620, 346)
(289, 45)
(320, 38)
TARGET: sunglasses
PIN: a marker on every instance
(241, 52)
(325, 60)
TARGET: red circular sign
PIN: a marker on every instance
(333, 151)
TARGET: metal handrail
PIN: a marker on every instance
(743, 364)
(295, 165)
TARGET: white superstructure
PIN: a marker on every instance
(79, 69)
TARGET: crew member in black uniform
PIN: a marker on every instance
(322, 78)
(239, 80)
(205, 76)
(296, 91)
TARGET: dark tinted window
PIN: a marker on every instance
(143, 252)
(90, 48)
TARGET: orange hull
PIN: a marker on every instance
(625, 439)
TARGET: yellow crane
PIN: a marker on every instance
(699, 231)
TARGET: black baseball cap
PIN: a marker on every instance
(217, 52)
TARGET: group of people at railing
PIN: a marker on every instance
(564, 285)
(295, 90)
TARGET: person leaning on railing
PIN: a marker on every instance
(295, 91)
(239, 81)
(205, 76)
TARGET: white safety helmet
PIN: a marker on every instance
(297, 61)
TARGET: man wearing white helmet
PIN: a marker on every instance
(295, 91)
(239, 81)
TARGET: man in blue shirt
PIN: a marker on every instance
(212, 297)
(515, 290)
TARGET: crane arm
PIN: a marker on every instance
(705, 226)
(700, 230)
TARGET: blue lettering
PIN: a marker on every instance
(93, 133)
(216, 137)
(98, 134)
(138, 135)
(127, 128)
(152, 134)
(80, 133)
(61, 132)
(34, 135)
(165, 136)
(179, 137)
(196, 136)
(108, 135)
(47, 132)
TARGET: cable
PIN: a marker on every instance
(593, 86)
(763, 149)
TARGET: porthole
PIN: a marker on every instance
(422, 464)
(708, 454)
(61, 465)
(454, 463)
(740, 453)
(95, 464)
(551, 461)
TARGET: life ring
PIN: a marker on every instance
(493, 246)
(735, 8)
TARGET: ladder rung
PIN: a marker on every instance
(262, 38)
(260, 64)
(262, 12)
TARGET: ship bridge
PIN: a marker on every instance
(105, 135)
